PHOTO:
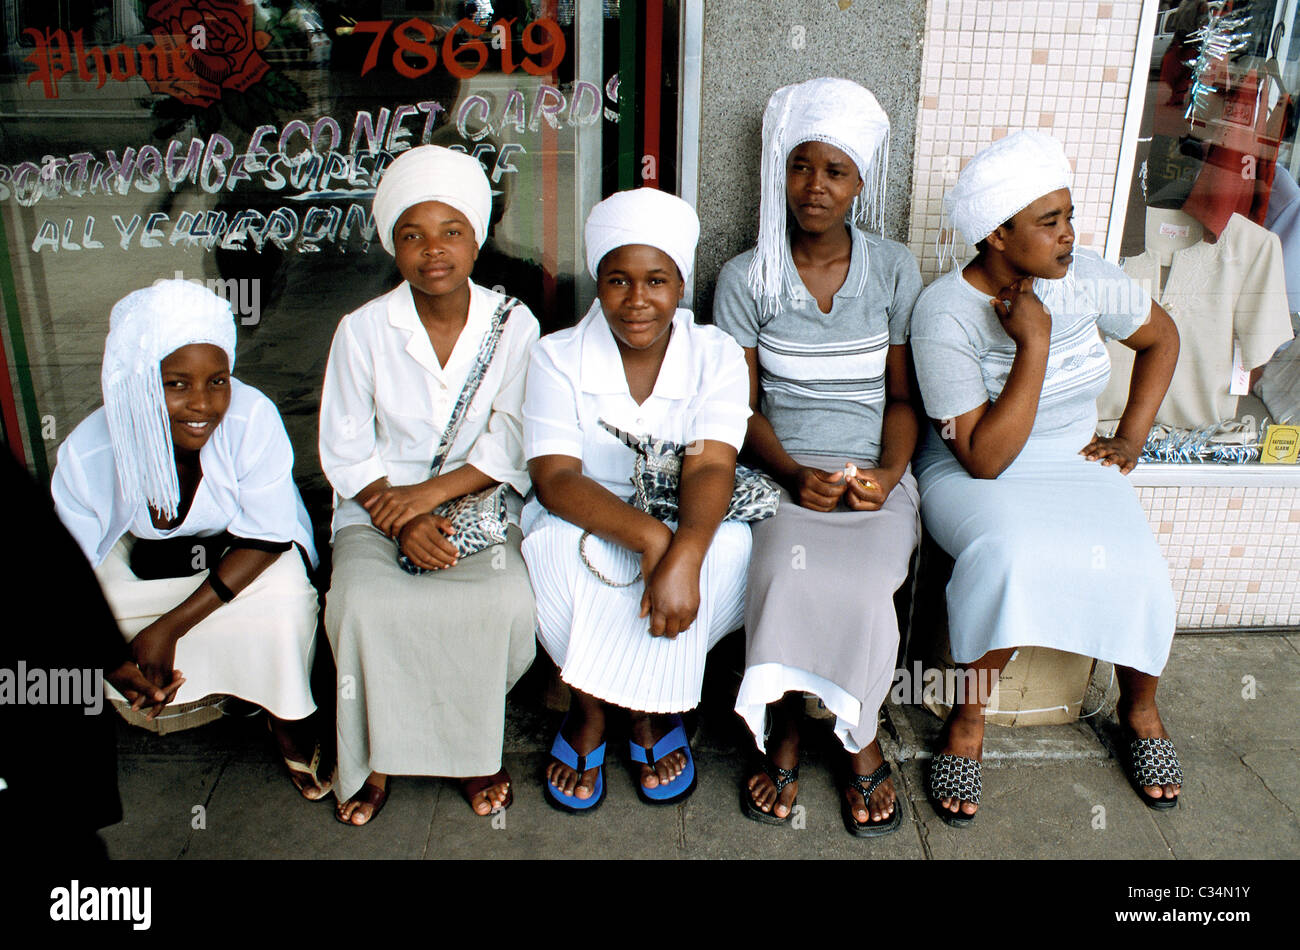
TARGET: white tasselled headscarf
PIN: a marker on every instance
(145, 327)
(1001, 180)
(643, 216)
(840, 113)
(433, 173)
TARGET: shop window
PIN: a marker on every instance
(1211, 224)
(238, 143)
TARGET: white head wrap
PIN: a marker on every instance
(145, 327)
(840, 113)
(643, 216)
(1002, 180)
(433, 173)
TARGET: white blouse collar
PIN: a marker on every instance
(403, 316)
(602, 366)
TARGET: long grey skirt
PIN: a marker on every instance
(819, 615)
(424, 663)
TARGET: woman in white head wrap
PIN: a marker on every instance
(629, 612)
(822, 308)
(180, 492)
(1052, 548)
(424, 661)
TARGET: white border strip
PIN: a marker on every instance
(691, 82)
(1212, 475)
(1137, 94)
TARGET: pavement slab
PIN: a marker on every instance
(159, 793)
(256, 813)
(1056, 809)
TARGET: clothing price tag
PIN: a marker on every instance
(1281, 445)
(1239, 383)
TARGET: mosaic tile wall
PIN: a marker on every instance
(1233, 553)
(990, 68)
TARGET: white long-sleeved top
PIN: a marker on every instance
(247, 486)
(387, 398)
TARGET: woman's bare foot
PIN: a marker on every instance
(882, 802)
(364, 805)
(963, 736)
(646, 731)
(584, 730)
(307, 772)
(783, 751)
(487, 793)
(1142, 718)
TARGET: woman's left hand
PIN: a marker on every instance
(869, 490)
(1115, 450)
(391, 508)
(672, 593)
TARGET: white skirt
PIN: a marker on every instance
(593, 631)
(258, 647)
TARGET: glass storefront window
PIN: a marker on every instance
(1212, 224)
(238, 143)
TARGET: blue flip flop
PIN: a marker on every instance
(679, 788)
(562, 752)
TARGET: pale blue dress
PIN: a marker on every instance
(1056, 551)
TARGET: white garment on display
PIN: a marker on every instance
(1234, 289)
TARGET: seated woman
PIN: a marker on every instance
(1052, 548)
(638, 364)
(822, 310)
(425, 652)
(180, 492)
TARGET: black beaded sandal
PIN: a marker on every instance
(955, 776)
(780, 778)
(866, 784)
(1154, 762)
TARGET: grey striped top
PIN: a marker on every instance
(822, 375)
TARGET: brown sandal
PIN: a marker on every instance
(469, 787)
(371, 795)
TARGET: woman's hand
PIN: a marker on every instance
(392, 508)
(672, 592)
(818, 490)
(128, 680)
(1115, 450)
(869, 490)
(424, 539)
(1022, 314)
(154, 651)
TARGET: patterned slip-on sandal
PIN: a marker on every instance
(866, 784)
(955, 776)
(564, 753)
(780, 778)
(1154, 762)
(679, 788)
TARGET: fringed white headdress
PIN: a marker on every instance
(145, 327)
(840, 113)
(1001, 180)
(433, 173)
(643, 216)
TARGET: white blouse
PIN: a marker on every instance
(247, 486)
(387, 399)
(577, 378)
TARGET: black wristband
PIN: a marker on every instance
(224, 593)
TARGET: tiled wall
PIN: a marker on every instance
(1233, 553)
(990, 68)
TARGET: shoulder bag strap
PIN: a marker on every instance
(486, 351)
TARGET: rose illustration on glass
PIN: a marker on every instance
(212, 46)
